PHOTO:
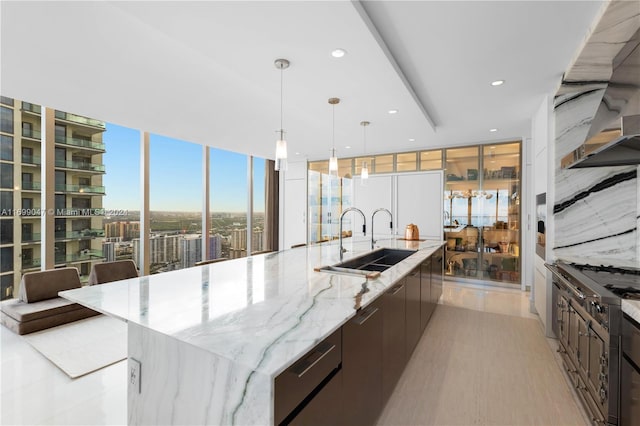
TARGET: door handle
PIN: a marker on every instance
(397, 289)
(310, 366)
(362, 320)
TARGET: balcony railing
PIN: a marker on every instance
(30, 133)
(77, 165)
(80, 143)
(84, 234)
(31, 237)
(30, 186)
(79, 212)
(81, 120)
(83, 256)
(31, 159)
(26, 106)
(30, 263)
(80, 188)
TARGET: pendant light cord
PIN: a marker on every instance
(333, 127)
(364, 136)
(281, 89)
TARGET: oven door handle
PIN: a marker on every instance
(580, 295)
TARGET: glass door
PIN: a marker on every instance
(462, 212)
(501, 212)
(482, 212)
(315, 206)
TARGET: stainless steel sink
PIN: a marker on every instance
(368, 264)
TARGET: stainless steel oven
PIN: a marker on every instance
(586, 322)
(630, 374)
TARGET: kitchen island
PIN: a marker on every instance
(212, 339)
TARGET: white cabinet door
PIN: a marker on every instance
(376, 193)
(295, 212)
(420, 201)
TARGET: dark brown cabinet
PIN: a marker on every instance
(295, 387)
(361, 366)
(426, 303)
(349, 377)
(326, 406)
(413, 330)
(394, 355)
(437, 274)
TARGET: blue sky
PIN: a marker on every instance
(175, 177)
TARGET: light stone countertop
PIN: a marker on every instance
(262, 312)
(631, 308)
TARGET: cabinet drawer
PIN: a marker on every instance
(325, 408)
(294, 384)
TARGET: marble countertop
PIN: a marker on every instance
(631, 308)
(264, 311)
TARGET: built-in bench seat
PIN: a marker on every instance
(39, 307)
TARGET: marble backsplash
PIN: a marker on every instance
(596, 211)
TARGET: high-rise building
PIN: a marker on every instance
(109, 250)
(238, 243)
(77, 168)
(163, 249)
(257, 243)
(190, 250)
(215, 246)
(125, 230)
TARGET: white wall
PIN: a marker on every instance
(542, 130)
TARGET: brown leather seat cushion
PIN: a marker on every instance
(112, 271)
(23, 312)
(80, 312)
(37, 286)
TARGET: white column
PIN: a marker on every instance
(206, 215)
(249, 203)
(48, 186)
(145, 223)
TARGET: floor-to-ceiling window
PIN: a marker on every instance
(257, 218)
(175, 203)
(122, 202)
(228, 204)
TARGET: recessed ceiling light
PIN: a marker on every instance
(412, 140)
(338, 53)
(493, 130)
(393, 111)
(297, 153)
(497, 83)
(347, 147)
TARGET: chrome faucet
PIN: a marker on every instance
(364, 226)
(390, 223)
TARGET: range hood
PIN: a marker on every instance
(609, 148)
(614, 135)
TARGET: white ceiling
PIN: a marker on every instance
(204, 72)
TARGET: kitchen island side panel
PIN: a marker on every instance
(185, 385)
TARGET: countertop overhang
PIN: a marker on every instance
(262, 312)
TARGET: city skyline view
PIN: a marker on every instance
(175, 175)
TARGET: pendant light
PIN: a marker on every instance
(281, 143)
(333, 159)
(364, 173)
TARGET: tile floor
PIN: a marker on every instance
(35, 392)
